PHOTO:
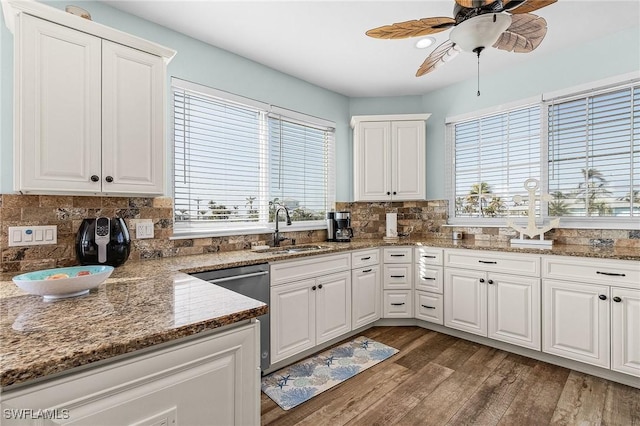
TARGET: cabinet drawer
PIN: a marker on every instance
(314, 266)
(429, 278)
(493, 262)
(397, 304)
(622, 273)
(428, 256)
(429, 307)
(397, 255)
(365, 258)
(397, 276)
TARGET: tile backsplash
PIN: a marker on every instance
(426, 219)
(67, 212)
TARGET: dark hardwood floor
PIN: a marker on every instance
(442, 380)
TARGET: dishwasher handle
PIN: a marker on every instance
(237, 277)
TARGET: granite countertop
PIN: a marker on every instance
(154, 301)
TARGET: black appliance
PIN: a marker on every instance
(339, 226)
(103, 241)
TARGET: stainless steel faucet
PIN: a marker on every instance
(276, 235)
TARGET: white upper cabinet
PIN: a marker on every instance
(389, 157)
(90, 116)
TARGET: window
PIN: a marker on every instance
(494, 155)
(584, 150)
(236, 159)
(594, 155)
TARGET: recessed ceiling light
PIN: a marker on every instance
(425, 42)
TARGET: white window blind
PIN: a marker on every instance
(493, 156)
(233, 163)
(594, 154)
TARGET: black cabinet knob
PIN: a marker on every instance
(617, 299)
(388, 193)
(109, 179)
(394, 193)
(95, 178)
(313, 288)
(320, 286)
(602, 297)
(481, 280)
(490, 281)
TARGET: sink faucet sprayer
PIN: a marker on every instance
(276, 235)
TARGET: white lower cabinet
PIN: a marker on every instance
(213, 380)
(500, 306)
(576, 321)
(398, 304)
(309, 312)
(429, 307)
(366, 290)
(625, 331)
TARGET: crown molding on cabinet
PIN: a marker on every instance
(389, 117)
(11, 8)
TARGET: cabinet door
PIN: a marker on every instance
(132, 129)
(575, 321)
(429, 307)
(58, 113)
(333, 306)
(372, 163)
(366, 294)
(465, 298)
(293, 313)
(625, 329)
(513, 308)
(408, 160)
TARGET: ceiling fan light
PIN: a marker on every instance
(425, 42)
(480, 31)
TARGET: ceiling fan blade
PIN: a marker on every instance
(415, 28)
(474, 3)
(524, 35)
(529, 6)
(443, 53)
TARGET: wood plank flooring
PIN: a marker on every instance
(442, 380)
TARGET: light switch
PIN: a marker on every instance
(32, 235)
(144, 230)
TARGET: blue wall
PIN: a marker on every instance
(205, 64)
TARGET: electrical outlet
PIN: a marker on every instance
(32, 235)
(144, 230)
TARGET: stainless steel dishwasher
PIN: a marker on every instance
(251, 281)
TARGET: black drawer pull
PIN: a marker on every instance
(481, 280)
(365, 258)
(617, 299)
(397, 255)
(367, 270)
(397, 304)
(397, 276)
(428, 278)
(313, 288)
(611, 274)
(488, 262)
(428, 256)
(428, 307)
(602, 297)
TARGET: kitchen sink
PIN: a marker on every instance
(293, 249)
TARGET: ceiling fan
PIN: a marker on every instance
(477, 24)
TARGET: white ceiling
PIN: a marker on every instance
(324, 42)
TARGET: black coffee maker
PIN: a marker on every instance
(103, 241)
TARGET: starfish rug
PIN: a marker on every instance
(299, 382)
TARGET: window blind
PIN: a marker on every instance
(234, 162)
(594, 154)
(493, 156)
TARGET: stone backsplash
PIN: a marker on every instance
(426, 219)
(67, 213)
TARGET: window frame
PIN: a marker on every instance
(267, 111)
(590, 222)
